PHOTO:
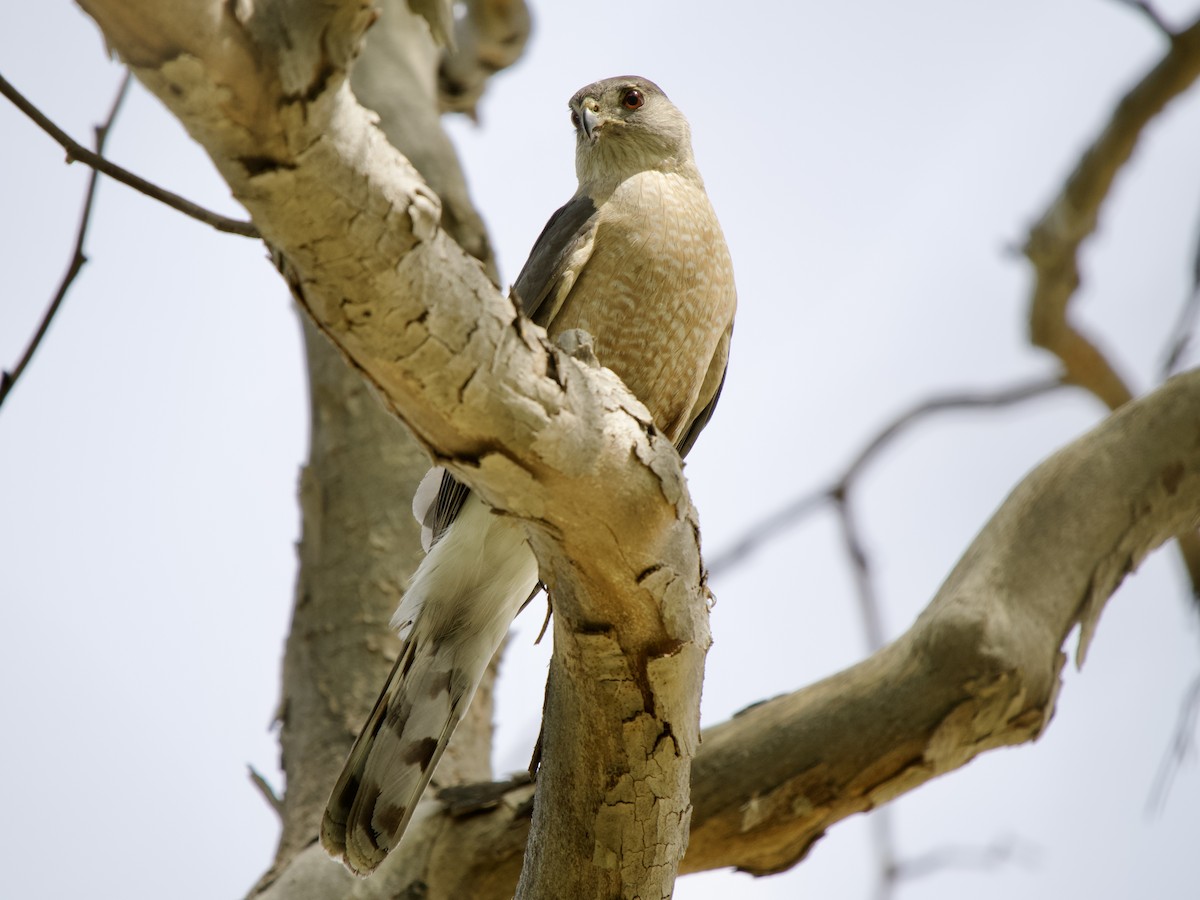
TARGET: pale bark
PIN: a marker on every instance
(491, 35)
(568, 450)
(359, 541)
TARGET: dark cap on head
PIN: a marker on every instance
(596, 88)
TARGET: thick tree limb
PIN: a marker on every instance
(360, 540)
(980, 668)
(397, 77)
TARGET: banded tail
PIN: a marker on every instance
(463, 597)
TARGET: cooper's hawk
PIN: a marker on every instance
(636, 259)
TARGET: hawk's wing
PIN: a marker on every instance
(436, 504)
(710, 393)
(558, 256)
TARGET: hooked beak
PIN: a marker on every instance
(589, 121)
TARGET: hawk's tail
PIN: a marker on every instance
(461, 601)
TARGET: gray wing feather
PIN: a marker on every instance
(717, 368)
(689, 438)
(442, 509)
(571, 225)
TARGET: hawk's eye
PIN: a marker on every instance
(575, 120)
(632, 99)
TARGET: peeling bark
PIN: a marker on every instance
(360, 542)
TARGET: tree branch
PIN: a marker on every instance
(1182, 747)
(8, 380)
(359, 542)
(776, 523)
(80, 153)
(990, 856)
(490, 37)
(264, 788)
(1182, 334)
(980, 668)
(1053, 244)
(1152, 15)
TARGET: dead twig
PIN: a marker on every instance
(868, 601)
(80, 153)
(781, 520)
(1182, 748)
(1185, 325)
(1181, 335)
(1151, 14)
(990, 856)
(264, 788)
(9, 379)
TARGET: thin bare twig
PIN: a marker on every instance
(781, 520)
(999, 852)
(78, 152)
(1152, 14)
(882, 830)
(767, 529)
(868, 601)
(9, 379)
(885, 852)
(264, 788)
(1182, 748)
(1181, 335)
(1185, 325)
(1002, 397)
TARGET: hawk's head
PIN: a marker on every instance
(627, 125)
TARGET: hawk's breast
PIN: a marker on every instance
(656, 293)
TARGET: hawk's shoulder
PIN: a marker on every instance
(559, 252)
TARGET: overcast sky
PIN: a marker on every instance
(871, 162)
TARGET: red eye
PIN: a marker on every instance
(632, 99)
(574, 119)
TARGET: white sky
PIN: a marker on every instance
(870, 161)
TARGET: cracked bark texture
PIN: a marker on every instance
(263, 88)
(360, 542)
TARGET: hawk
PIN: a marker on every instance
(636, 258)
